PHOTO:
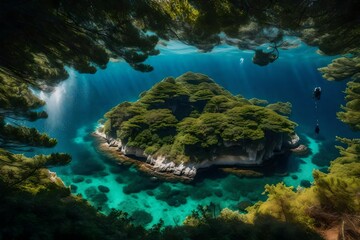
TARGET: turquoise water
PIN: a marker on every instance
(78, 103)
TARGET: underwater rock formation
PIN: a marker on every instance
(243, 172)
(187, 123)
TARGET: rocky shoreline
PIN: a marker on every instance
(166, 171)
(162, 168)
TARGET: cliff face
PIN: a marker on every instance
(253, 154)
(190, 122)
(232, 154)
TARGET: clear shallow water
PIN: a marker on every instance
(76, 105)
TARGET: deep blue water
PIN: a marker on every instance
(79, 102)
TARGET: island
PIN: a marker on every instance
(183, 124)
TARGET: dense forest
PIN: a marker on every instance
(40, 38)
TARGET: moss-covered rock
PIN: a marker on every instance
(78, 179)
(141, 217)
(103, 189)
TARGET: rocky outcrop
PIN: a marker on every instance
(54, 178)
(132, 151)
(161, 164)
(251, 154)
(293, 141)
(301, 150)
(157, 166)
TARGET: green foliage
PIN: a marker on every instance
(264, 118)
(16, 98)
(27, 217)
(351, 112)
(221, 103)
(149, 129)
(342, 68)
(338, 191)
(338, 194)
(50, 214)
(188, 118)
(351, 154)
(180, 11)
(57, 159)
(282, 197)
(331, 200)
(258, 102)
(30, 174)
(281, 108)
(164, 93)
(285, 204)
(20, 137)
(204, 224)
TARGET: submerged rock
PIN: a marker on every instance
(88, 168)
(91, 192)
(253, 196)
(103, 189)
(119, 179)
(262, 58)
(102, 174)
(73, 188)
(139, 185)
(243, 205)
(218, 193)
(198, 195)
(150, 193)
(116, 169)
(327, 153)
(243, 172)
(141, 217)
(172, 197)
(78, 179)
(301, 150)
(305, 183)
(294, 177)
(100, 199)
